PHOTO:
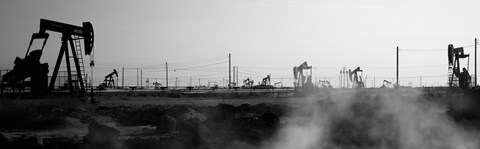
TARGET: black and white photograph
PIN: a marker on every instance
(239, 74)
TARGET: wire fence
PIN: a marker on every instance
(205, 70)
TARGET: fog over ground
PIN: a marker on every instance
(388, 119)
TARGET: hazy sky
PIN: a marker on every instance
(264, 37)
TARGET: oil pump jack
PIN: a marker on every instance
(301, 80)
(386, 84)
(303, 84)
(324, 84)
(28, 67)
(109, 82)
(355, 78)
(31, 67)
(265, 81)
(463, 78)
(248, 83)
(265, 84)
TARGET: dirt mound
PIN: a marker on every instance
(3, 141)
(24, 142)
(200, 127)
(167, 124)
(101, 136)
(61, 142)
(177, 126)
(193, 134)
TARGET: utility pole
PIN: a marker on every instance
(347, 74)
(137, 77)
(166, 71)
(141, 78)
(397, 70)
(342, 79)
(475, 62)
(229, 70)
(316, 77)
(123, 76)
(237, 75)
(234, 75)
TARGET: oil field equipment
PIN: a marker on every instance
(457, 78)
(248, 83)
(265, 84)
(303, 84)
(324, 84)
(157, 85)
(302, 80)
(386, 84)
(278, 83)
(109, 81)
(355, 78)
(265, 81)
(30, 68)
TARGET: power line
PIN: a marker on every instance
(366, 67)
(199, 76)
(262, 74)
(422, 49)
(203, 70)
(202, 60)
(251, 74)
(407, 77)
(243, 69)
(468, 46)
(265, 67)
(154, 66)
(206, 65)
(425, 76)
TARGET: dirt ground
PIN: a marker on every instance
(138, 118)
(332, 119)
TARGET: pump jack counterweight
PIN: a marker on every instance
(30, 66)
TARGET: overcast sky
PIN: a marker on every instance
(263, 36)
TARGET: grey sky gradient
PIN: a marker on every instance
(266, 34)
